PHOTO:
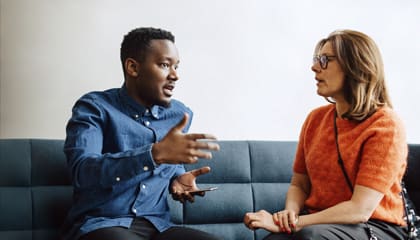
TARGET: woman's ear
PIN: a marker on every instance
(131, 67)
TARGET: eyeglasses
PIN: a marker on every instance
(323, 60)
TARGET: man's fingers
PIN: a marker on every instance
(190, 198)
(200, 171)
(201, 154)
(175, 196)
(207, 145)
(197, 136)
(194, 151)
(194, 155)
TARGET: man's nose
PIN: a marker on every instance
(173, 74)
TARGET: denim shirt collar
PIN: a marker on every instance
(137, 110)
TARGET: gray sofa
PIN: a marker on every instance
(35, 191)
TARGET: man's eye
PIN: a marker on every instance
(164, 65)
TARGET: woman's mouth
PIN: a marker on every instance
(318, 81)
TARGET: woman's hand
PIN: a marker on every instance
(287, 221)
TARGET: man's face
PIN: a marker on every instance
(156, 74)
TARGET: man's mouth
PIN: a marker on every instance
(168, 90)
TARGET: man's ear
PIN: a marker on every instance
(131, 67)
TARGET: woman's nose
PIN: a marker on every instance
(315, 67)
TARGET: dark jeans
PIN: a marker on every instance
(381, 230)
(141, 229)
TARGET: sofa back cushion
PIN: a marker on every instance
(250, 175)
(35, 191)
(412, 175)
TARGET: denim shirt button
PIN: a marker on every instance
(134, 210)
(143, 186)
(147, 123)
(117, 179)
(146, 168)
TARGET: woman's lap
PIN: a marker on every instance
(381, 230)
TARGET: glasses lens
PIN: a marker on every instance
(323, 60)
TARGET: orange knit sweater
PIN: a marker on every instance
(374, 153)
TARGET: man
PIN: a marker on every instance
(125, 148)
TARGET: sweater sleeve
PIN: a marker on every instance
(384, 154)
(299, 165)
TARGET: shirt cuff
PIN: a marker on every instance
(155, 165)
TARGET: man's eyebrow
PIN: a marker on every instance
(171, 59)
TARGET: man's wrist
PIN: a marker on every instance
(156, 155)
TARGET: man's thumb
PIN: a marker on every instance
(200, 171)
(182, 123)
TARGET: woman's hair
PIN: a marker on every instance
(361, 61)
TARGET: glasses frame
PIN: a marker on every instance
(323, 60)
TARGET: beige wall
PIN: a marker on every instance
(244, 63)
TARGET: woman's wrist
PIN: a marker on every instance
(294, 225)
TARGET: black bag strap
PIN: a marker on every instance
(371, 235)
(340, 159)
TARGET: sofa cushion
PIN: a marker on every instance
(35, 191)
(15, 164)
(411, 177)
(250, 175)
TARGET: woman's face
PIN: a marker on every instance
(328, 74)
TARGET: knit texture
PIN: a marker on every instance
(374, 152)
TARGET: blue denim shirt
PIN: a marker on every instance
(108, 148)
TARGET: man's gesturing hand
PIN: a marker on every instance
(177, 147)
(184, 184)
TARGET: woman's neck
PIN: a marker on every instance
(341, 107)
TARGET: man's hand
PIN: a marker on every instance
(183, 184)
(177, 147)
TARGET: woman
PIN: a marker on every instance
(359, 199)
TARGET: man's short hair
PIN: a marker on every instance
(136, 42)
